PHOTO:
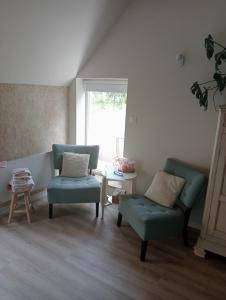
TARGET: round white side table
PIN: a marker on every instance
(109, 175)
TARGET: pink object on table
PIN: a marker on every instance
(125, 165)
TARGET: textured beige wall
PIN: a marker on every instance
(32, 117)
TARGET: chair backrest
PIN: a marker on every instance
(59, 149)
(195, 181)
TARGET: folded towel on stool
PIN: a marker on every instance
(21, 180)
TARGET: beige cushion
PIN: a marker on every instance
(165, 188)
(75, 165)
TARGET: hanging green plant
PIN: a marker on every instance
(218, 83)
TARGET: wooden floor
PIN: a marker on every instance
(75, 256)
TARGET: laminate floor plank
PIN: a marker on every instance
(76, 256)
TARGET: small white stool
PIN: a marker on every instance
(27, 203)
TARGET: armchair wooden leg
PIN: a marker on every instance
(50, 211)
(143, 250)
(185, 228)
(185, 237)
(119, 221)
(97, 210)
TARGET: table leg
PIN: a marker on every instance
(103, 194)
(133, 186)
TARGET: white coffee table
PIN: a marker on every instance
(109, 175)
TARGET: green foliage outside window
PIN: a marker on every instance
(104, 100)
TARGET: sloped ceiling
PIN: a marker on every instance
(47, 41)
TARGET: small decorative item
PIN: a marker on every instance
(119, 173)
(3, 164)
(217, 84)
(180, 59)
(125, 165)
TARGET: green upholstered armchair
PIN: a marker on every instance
(74, 189)
(152, 221)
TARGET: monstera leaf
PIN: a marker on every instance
(220, 81)
(196, 90)
(202, 96)
(219, 58)
(204, 101)
(209, 45)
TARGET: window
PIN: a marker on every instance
(105, 116)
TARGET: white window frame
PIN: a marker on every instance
(106, 85)
(100, 85)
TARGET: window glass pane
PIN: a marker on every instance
(106, 112)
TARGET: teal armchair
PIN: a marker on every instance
(152, 221)
(73, 189)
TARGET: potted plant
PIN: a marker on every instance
(218, 81)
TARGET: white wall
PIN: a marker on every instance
(41, 168)
(72, 112)
(143, 47)
(77, 112)
(46, 42)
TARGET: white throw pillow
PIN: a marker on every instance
(165, 188)
(75, 165)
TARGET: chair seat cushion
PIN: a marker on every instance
(150, 220)
(73, 190)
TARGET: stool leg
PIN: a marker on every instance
(29, 201)
(12, 205)
(26, 202)
(15, 202)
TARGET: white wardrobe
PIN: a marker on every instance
(213, 232)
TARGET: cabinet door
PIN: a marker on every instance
(217, 219)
